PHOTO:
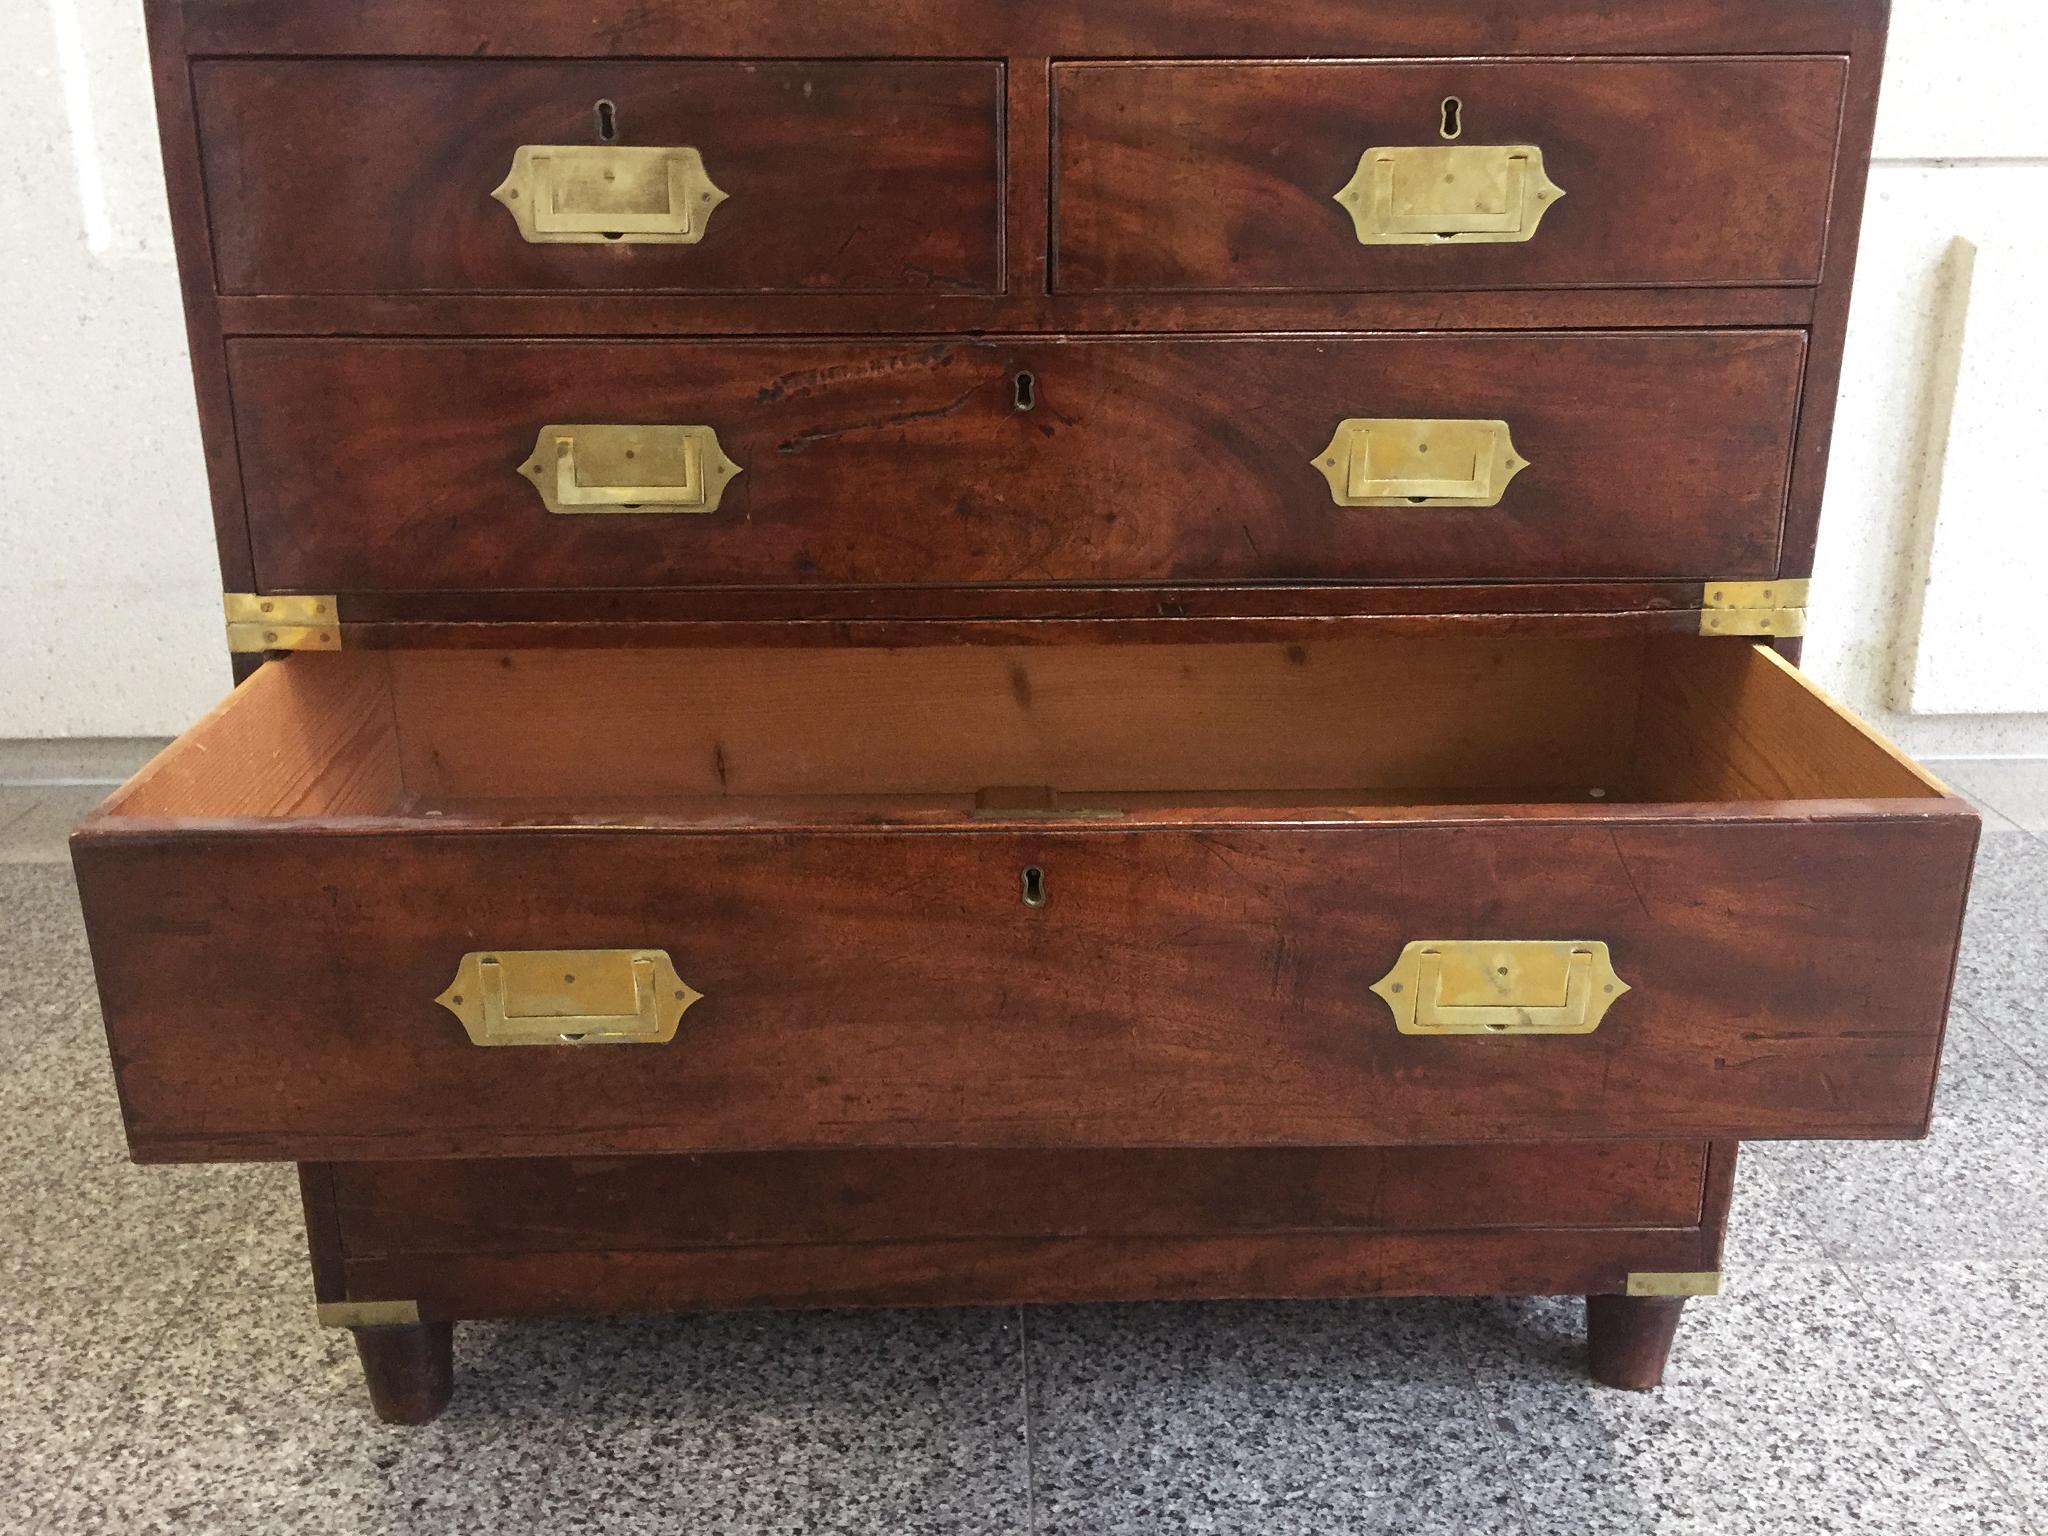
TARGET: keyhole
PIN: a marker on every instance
(1027, 391)
(1454, 112)
(1034, 886)
(607, 123)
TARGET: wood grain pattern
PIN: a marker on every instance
(185, 192)
(1191, 986)
(393, 465)
(574, 727)
(1223, 176)
(734, 35)
(657, 618)
(319, 740)
(1738, 723)
(513, 1205)
(1020, 311)
(338, 177)
(1010, 1271)
(1083, 28)
(1628, 1339)
(409, 1369)
(772, 737)
(904, 1085)
(1831, 306)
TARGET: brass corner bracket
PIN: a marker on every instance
(1702, 1282)
(260, 623)
(366, 1314)
(1773, 608)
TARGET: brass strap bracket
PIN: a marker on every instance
(1702, 1282)
(367, 1314)
(260, 623)
(1775, 608)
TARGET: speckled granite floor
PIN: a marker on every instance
(1879, 1365)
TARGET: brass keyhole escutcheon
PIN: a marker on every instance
(1034, 886)
(1453, 117)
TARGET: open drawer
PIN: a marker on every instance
(1379, 890)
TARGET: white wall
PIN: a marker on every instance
(109, 616)
(1933, 542)
(109, 597)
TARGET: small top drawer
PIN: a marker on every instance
(379, 176)
(1490, 174)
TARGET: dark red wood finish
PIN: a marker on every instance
(1521, 1261)
(1019, 312)
(221, 41)
(410, 1369)
(387, 466)
(972, 1108)
(850, 1229)
(330, 177)
(1224, 176)
(516, 1205)
(1628, 1339)
(877, 989)
(1058, 28)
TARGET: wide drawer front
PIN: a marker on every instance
(594, 1205)
(392, 466)
(458, 904)
(1444, 174)
(473, 177)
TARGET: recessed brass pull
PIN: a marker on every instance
(1448, 194)
(599, 194)
(596, 468)
(568, 996)
(1385, 462)
(1501, 987)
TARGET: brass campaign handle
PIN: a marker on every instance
(1449, 194)
(1397, 462)
(1501, 987)
(568, 996)
(592, 467)
(598, 194)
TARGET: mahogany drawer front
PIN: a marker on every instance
(395, 466)
(1675, 172)
(503, 1205)
(278, 907)
(328, 177)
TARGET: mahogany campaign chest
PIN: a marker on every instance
(974, 653)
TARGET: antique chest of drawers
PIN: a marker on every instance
(975, 653)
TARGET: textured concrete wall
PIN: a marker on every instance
(109, 623)
(109, 607)
(1936, 509)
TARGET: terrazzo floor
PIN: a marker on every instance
(1879, 1364)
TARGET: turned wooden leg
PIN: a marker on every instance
(1628, 1338)
(410, 1368)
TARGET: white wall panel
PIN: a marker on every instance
(109, 605)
